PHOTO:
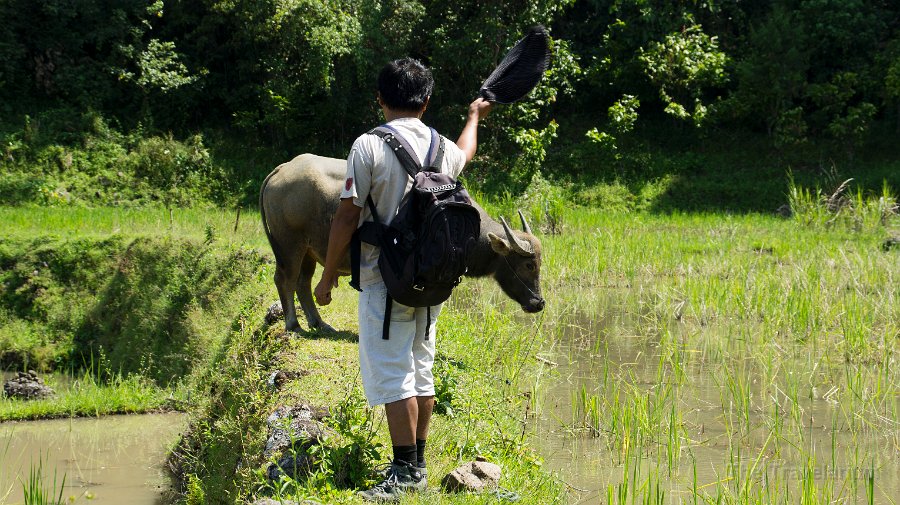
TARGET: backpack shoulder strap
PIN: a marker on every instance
(435, 157)
(401, 148)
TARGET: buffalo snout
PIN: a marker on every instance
(534, 305)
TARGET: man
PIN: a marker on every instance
(396, 372)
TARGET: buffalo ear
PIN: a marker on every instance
(499, 245)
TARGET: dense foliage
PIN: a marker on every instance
(180, 102)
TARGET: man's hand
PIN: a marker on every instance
(323, 290)
(480, 108)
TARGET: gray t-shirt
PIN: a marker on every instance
(373, 169)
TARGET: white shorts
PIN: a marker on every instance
(400, 367)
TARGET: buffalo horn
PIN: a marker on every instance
(525, 223)
(517, 245)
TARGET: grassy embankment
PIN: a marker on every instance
(124, 305)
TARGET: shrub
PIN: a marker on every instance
(62, 158)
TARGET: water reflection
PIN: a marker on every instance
(112, 459)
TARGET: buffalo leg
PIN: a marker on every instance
(304, 294)
(286, 281)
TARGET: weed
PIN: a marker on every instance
(445, 385)
(853, 209)
(349, 458)
(194, 494)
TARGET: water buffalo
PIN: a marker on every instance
(297, 201)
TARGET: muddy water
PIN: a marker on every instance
(593, 351)
(106, 460)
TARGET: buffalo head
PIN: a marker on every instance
(518, 271)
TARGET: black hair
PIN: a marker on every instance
(405, 84)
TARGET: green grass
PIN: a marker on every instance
(193, 224)
(88, 396)
(153, 305)
(479, 355)
(130, 308)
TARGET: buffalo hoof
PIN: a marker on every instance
(324, 327)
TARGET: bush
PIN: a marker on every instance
(65, 159)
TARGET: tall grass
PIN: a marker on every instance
(842, 206)
(39, 490)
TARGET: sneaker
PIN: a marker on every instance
(400, 479)
(383, 469)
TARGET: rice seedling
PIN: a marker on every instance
(39, 490)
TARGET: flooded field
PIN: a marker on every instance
(657, 413)
(106, 460)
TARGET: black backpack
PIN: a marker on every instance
(425, 250)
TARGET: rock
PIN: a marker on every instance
(474, 477)
(292, 432)
(279, 377)
(293, 465)
(489, 473)
(27, 386)
(460, 480)
(300, 424)
(274, 313)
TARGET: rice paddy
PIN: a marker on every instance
(720, 359)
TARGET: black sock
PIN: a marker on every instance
(420, 452)
(405, 454)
